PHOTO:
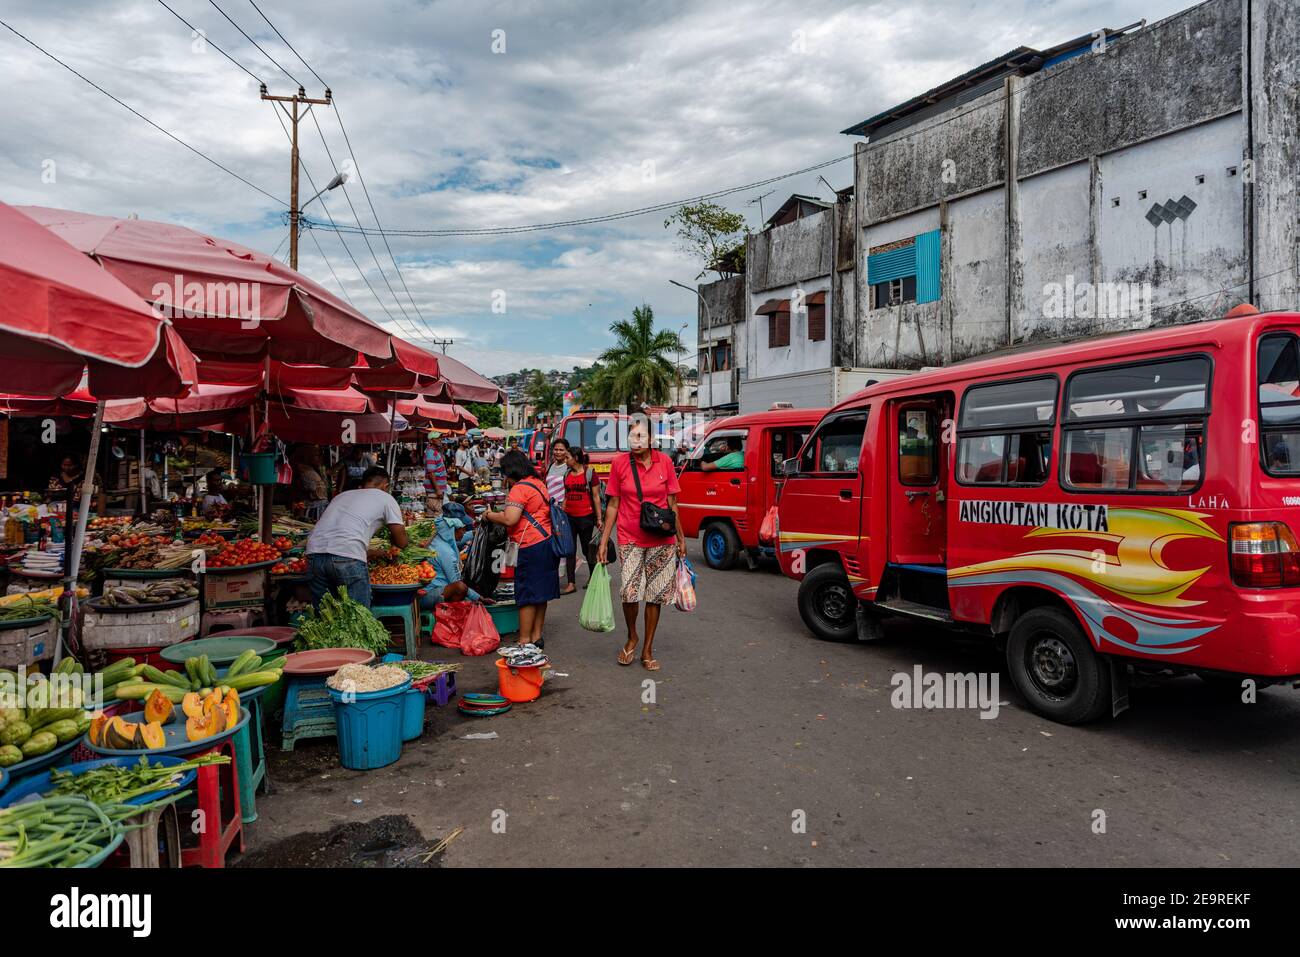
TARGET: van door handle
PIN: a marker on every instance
(914, 494)
(736, 482)
(846, 494)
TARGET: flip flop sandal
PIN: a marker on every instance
(626, 657)
(650, 664)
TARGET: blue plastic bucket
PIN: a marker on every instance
(369, 726)
(260, 467)
(412, 715)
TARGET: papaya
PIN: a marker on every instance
(151, 736)
(158, 708)
(192, 705)
(231, 705)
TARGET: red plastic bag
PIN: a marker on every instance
(465, 625)
(767, 531)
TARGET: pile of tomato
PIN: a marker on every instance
(283, 544)
(294, 566)
(109, 521)
(209, 538)
(130, 541)
(246, 551)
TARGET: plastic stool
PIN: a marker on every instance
(441, 689)
(308, 710)
(217, 788)
(427, 622)
(250, 754)
(410, 628)
(231, 618)
(160, 826)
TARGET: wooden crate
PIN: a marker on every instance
(145, 628)
(239, 590)
(21, 647)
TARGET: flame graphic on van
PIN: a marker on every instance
(1131, 570)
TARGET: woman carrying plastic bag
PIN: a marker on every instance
(597, 612)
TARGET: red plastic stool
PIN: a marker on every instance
(217, 789)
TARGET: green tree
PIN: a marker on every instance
(489, 416)
(639, 368)
(712, 234)
(544, 396)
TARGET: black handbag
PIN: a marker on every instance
(655, 520)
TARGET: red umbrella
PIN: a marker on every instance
(61, 316)
(229, 302)
(467, 385)
(439, 415)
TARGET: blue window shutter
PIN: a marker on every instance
(927, 267)
(894, 264)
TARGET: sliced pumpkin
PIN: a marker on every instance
(119, 734)
(196, 729)
(231, 706)
(192, 705)
(152, 736)
(158, 708)
(96, 730)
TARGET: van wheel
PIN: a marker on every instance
(1053, 665)
(721, 546)
(827, 603)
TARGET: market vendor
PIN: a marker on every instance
(309, 480)
(447, 584)
(214, 501)
(338, 550)
(66, 483)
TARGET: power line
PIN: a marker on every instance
(342, 288)
(286, 42)
(131, 109)
(256, 44)
(213, 43)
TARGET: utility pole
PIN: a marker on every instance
(294, 116)
(444, 343)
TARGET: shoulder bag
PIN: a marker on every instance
(654, 519)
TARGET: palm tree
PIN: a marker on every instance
(544, 395)
(637, 370)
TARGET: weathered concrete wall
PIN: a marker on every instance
(1055, 209)
(957, 152)
(1181, 71)
(726, 301)
(796, 252)
(975, 276)
(801, 354)
(1275, 120)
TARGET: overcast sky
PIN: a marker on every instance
(591, 108)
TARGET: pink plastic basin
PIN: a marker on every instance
(325, 661)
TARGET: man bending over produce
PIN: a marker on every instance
(337, 551)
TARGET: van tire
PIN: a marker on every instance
(827, 604)
(720, 545)
(1054, 667)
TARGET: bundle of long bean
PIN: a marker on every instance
(65, 831)
(117, 784)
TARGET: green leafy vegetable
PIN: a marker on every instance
(340, 622)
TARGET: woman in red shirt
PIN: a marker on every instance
(582, 505)
(649, 560)
(527, 518)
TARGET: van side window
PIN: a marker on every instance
(1004, 433)
(1279, 404)
(1137, 427)
(786, 444)
(836, 446)
(720, 453)
(918, 446)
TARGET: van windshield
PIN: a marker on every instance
(600, 433)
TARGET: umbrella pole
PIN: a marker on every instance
(72, 549)
(266, 492)
(144, 486)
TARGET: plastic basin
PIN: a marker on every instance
(41, 783)
(369, 726)
(325, 661)
(221, 650)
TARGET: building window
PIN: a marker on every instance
(722, 357)
(817, 322)
(905, 271)
(778, 329)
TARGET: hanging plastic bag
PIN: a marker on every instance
(767, 531)
(597, 611)
(685, 599)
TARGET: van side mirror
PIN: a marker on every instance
(790, 467)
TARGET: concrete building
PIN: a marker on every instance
(1133, 177)
(721, 314)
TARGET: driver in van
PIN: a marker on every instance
(733, 460)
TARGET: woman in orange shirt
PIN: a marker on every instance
(527, 518)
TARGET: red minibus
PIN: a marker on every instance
(1120, 501)
(602, 433)
(732, 477)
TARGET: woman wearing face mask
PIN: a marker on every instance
(649, 559)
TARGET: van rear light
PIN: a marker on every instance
(1264, 554)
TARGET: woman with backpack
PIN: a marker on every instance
(527, 519)
(642, 490)
(582, 505)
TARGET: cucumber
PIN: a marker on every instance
(254, 679)
(245, 662)
(118, 671)
(39, 719)
(140, 690)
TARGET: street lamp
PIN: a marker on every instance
(708, 324)
(339, 179)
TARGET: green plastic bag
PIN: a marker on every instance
(597, 612)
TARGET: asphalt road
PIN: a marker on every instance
(756, 727)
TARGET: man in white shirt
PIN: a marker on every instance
(338, 549)
(464, 466)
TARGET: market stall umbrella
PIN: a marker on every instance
(333, 428)
(62, 316)
(440, 415)
(495, 432)
(228, 302)
(466, 385)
